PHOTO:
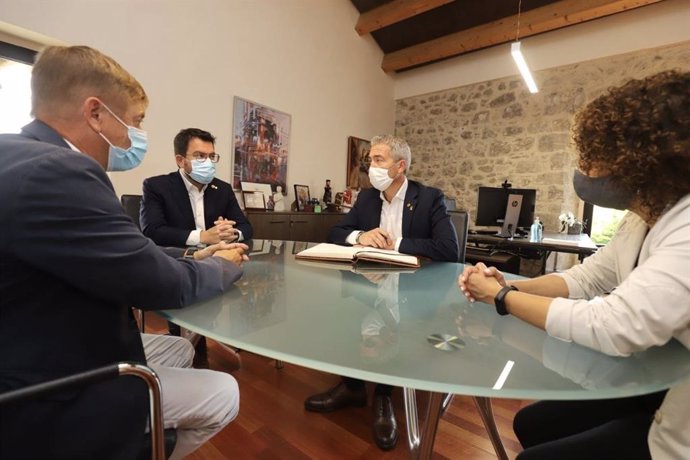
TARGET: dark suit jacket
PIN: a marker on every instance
(167, 216)
(426, 228)
(71, 265)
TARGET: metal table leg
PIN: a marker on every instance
(422, 444)
(484, 406)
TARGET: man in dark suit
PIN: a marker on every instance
(396, 214)
(72, 263)
(190, 206)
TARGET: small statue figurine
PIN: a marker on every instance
(347, 197)
(278, 203)
(327, 192)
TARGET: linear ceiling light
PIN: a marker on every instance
(520, 59)
(522, 67)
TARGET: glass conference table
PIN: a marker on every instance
(414, 330)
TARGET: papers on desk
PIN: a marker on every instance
(354, 254)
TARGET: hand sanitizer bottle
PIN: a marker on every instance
(535, 232)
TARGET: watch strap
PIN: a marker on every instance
(359, 235)
(189, 253)
(500, 301)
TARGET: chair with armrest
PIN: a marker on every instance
(461, 222)
(131, 205)
(160, 442)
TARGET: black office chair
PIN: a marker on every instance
(461, 222)
(131, 205)
(161, 442)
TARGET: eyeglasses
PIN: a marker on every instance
(214, 157)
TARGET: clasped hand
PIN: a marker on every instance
(377, 238)
(232, 252)
(481, 283)
(223, 230)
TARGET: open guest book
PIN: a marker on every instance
(361, 268)
(354, 254)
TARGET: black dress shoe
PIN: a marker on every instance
(336, 398)
(385, 426)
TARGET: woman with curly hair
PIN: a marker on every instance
(634, 293)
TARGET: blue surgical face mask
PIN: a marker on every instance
(601, 191)
(120, 159)
(203, 171)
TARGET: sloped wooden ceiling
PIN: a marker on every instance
(413, 33)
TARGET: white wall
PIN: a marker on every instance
(654, 25)
(302, 57)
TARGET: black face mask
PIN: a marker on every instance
(601, 191)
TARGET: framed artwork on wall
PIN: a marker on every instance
(302, 196)
(358, 163)
(261, 140)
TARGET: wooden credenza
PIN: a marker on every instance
(295, 226)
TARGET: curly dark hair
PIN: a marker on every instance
(640, 133)
(181, 141)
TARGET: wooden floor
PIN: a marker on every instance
(272, 423)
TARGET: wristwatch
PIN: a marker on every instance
(189, 253)
(359, 235)
(499, 300)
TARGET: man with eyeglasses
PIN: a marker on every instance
(191, 207)
(72, 264)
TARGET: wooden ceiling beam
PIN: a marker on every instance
(393, 12)
(549, 17)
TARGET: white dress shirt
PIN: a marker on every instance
(391, 217)
(196, 199)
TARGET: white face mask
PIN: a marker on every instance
(380, 179)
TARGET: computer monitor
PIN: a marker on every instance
(493, 209)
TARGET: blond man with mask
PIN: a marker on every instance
(72, 263)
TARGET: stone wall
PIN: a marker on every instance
(484, 133)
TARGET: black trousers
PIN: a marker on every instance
(356, 384)
(602, 429)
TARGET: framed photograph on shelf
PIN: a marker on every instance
(255, 187)
(358, 163)
(261, 142)
(302, 196)
(254, 201)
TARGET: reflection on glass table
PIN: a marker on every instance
(328, 318)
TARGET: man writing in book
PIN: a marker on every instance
(397, 214)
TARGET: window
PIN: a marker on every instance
(15, 87)
(604, 222)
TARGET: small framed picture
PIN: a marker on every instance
(302, 196)
(254, 201)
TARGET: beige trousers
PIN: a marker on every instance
(198, 403)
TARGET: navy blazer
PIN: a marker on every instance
(427, 229)
(71, 266)
(166, 214)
